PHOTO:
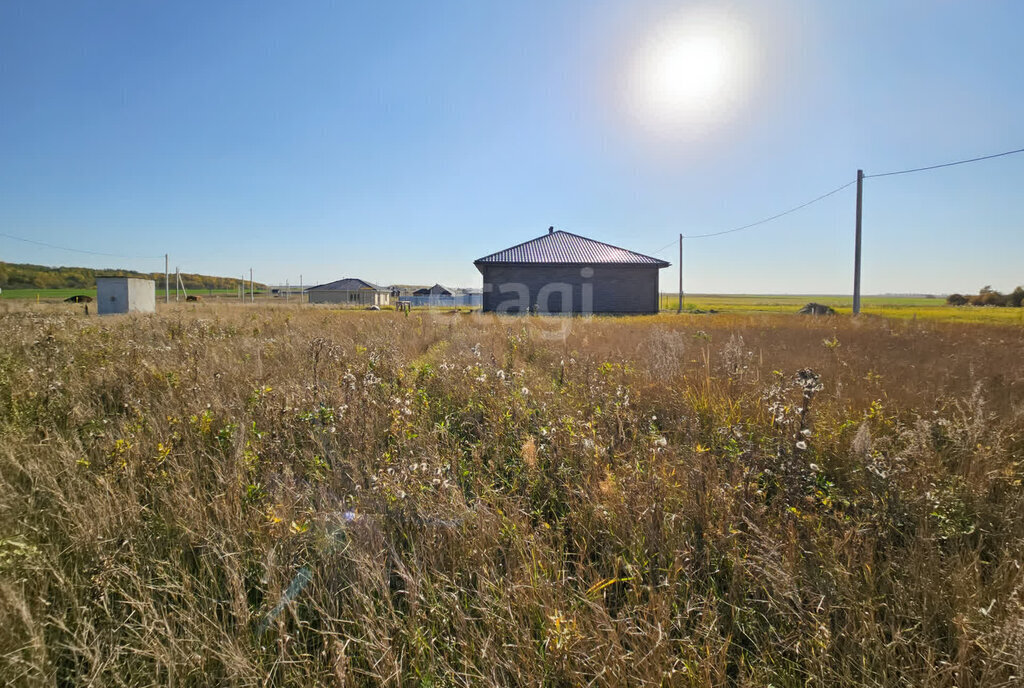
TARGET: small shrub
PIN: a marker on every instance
(957, 300)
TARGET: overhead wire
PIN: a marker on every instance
(945, 164)
(77, 250)
(666, 246)
(773, 217)
(850, 183)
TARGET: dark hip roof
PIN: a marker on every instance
(436, 290)
(347, 284)
(568, 249)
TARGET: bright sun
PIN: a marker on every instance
(690, 75)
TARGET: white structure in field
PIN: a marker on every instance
(125, 295)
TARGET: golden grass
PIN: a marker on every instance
(238, 495)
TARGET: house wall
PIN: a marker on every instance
(567, 288)
(125, 295)
(352, 297)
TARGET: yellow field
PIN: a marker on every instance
(888, 307)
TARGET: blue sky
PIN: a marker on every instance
(398, 142)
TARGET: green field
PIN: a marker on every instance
(52, 295)
(45, 294)
(887, 306)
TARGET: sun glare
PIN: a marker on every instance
(690, 74)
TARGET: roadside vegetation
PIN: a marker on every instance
(988, 296)
(229, 495)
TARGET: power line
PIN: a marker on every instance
(837, 190)
(76, 250)
(666, 246)
(945, 164)
(773, 217)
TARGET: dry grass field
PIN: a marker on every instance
(242, 496)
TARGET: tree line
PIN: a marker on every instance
(987, 296)
(27, 276)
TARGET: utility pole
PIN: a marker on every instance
(680, 308)
(856, 250)
(177, 281)
(300, 288)
(286, 288)
(167, 280)
(252, 288)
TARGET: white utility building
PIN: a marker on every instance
(125, 295)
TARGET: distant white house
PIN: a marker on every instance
(351, 291)
(125, 295)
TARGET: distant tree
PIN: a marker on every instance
(987, 296)
(957, 300)
(26, 276)
(1015, 298)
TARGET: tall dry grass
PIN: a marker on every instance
(256, 495)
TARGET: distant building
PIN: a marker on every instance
(125, 295)
(351, 291)
(436, 290)
(560, 272)
(286, 291)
